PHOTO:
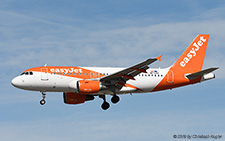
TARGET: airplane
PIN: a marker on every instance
(81, 84)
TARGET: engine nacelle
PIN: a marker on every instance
(208, 76)
(88, 86)
(75, 98)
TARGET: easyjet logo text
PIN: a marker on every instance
(193, 52)
(70, 70)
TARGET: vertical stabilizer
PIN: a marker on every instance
(193, 57)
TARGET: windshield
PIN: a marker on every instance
(27, 73)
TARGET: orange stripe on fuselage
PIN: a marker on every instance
(178, 80)
(76, 72)
(131, 86)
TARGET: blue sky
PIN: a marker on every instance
(109, 33)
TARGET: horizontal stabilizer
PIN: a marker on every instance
(200, 73)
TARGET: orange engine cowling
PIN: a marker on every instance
(88, 86)
(75, 98)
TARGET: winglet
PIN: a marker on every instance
(159, 58)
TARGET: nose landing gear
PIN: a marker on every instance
(42, 102)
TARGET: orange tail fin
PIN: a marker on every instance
(193, 57)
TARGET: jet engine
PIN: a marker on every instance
(88, 86)
(75, 98)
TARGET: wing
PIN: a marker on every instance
(119, 79)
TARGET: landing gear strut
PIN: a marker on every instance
(105, 105)
(42, 102)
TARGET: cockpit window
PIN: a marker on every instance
(27, 73)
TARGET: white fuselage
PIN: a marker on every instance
(54, 82)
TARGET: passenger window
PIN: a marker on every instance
(87, 73)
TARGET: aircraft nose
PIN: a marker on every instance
(15, 82)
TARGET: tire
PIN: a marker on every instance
(42, 102)
(115, 99)
(105, 105)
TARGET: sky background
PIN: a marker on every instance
(109, 33)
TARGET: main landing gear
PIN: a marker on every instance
(115, 99)
(42, 102)
(105, 105)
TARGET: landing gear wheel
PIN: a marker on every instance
(115, 99)
(105, 105)
(42, 102)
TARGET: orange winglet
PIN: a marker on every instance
(140, 70)
(159, 58)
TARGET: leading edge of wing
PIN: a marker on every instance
(131, 72)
